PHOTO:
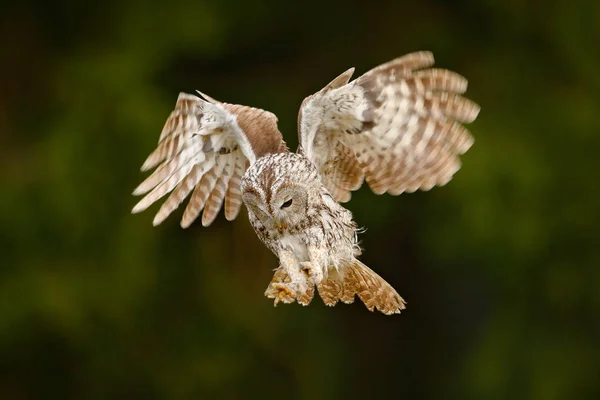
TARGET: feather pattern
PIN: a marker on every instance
(204, 149)
(399, 127)
(399, 123)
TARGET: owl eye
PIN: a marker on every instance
(287, 204)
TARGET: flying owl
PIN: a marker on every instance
(398, 127)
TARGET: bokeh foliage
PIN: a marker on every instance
(501, 268)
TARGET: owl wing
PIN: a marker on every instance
(206, 146)
(399, 127)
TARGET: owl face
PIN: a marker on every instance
(280, 207)
(277, 190)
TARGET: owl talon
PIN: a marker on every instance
(280, 292)
(279, 289)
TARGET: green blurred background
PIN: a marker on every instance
(500, 268)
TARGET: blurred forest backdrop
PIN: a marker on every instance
(501, 268)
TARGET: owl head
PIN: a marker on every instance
(279, 190)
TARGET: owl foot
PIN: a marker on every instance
(281, 289)
(280, 292)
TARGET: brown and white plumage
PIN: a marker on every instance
(206, 146)
(398, 127)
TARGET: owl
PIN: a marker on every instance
(399, 127)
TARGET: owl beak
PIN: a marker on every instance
(279, 225)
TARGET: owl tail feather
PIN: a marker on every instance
(355, 278)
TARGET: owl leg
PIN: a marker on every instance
(288, 283)
(315, 269)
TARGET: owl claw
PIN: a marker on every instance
(280, 289)
(280, 292)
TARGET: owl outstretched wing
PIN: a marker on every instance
(399, 127)
(206, 146)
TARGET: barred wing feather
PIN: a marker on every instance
(399, 127)
(205, 148)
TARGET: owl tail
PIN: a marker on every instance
(355, 278)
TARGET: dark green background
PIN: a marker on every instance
(500, 268)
